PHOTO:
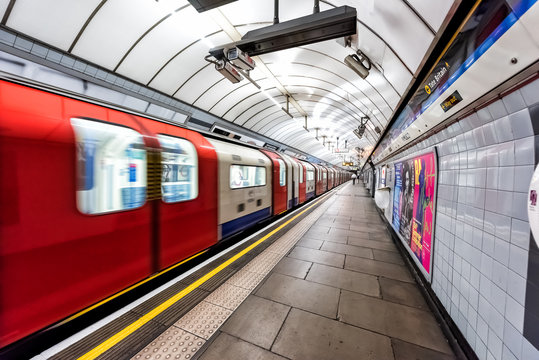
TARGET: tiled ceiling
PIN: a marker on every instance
(162, 45)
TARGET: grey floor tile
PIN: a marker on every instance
(306, 295)
(318, 236)
(345, 279)
(310, 243)
(365, 227)
(388, 256)
(402, 293)
(257, 321)
(348, 249)
(375, 244)
(380, 268)
(293, 267)
(399, 321)
(335, 238)
(340, 226)
(320, 229)
(407, 351)
(307, 336)
(317, 256)
(229, 347)
(339, 232)
(346, 220)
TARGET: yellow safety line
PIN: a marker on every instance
(82, 312)
(116, 338)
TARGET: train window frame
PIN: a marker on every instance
(239, 187)
(194, 185)
(92, 191)
(282, 172)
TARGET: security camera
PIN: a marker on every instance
(240, 59)
(356, 63)
(228, 71)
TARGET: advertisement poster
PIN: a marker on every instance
(413, 205)
(396, 196)
(424, 186)
(406, 202)
(383, 176)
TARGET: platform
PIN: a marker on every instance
(330, 285)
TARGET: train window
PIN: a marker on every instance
(242, 176)
(310, 175)
(325, 175)
(179, 169)
(282, 172)
(111, 167)
(301, 174)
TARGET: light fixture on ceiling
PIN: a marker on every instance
(359, 62)
(233, 65)
(287, 110)
(362, 127)
(320, 26)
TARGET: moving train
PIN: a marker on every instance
(94, 199)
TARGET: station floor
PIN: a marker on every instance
(339, 291)
(324, 282)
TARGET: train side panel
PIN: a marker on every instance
(245, 195)
(55, 260)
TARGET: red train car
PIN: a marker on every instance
(78, 221)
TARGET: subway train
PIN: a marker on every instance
(95, 199)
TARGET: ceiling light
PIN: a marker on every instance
(357, 62)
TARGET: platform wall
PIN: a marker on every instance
(482, 242)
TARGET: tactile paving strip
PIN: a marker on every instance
(263, 262)
(246, 279)
(172, 344)
(204, 319)
(228, 296)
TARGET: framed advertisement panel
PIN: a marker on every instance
(414, 206)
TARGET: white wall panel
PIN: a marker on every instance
(165, 41)
(117, 26)
(58, 27)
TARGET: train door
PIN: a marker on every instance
(310, 180)
(324, 171)
(293, 180)
(187, 195)
(302, 183)
(318, 176)
(279, 188)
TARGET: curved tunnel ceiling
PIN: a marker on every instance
(162, 45)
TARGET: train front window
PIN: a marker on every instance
(179, 169)
(111, 167)
(242, 176)
(282, 172)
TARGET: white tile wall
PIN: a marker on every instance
(482, 233)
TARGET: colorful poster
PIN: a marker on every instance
(396, 197)
(422, 225)
(413, 205)
(406, 202)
